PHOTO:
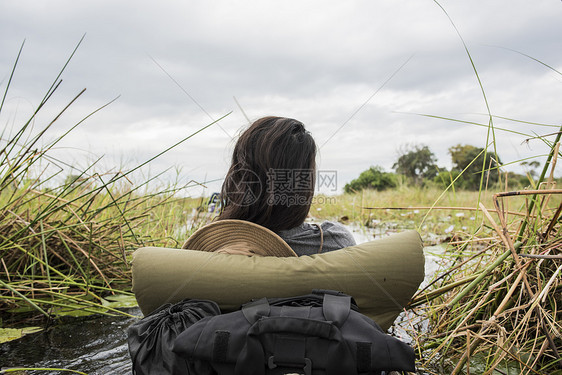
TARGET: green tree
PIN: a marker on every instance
(444, 178)
(530, 167)
(471, 160)
(373, 178)
(74, 181)
(416, 163)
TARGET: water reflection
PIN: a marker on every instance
(94, 345)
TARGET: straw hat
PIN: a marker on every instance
(238, 237)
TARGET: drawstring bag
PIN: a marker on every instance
(320, 333)
(150, 340)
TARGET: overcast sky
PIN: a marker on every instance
(359, 74)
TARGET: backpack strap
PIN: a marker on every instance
(321, 238)
(296, 311)
(289, 346)
(256, 309)
(290, 350)
(336, 308)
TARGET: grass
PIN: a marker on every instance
(70, 246)
(66, 246)
(501, 304)
(495, 308)
(410, 208)
(496, 305)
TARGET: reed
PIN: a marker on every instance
(496, 307)
(66, 246)
(499, 309)
(502, 306)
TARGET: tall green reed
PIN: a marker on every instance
(66, 246)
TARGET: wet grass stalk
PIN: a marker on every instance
(20, 370)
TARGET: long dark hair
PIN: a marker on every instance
(272, 176)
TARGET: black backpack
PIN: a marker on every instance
(321, 333)
(150, 340)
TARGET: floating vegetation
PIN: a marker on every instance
(9, 334)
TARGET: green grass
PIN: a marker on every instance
(66, 246)
(497, 304)
(428, 210)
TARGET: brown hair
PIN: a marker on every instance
(271, 179)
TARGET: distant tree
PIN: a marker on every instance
(530, 167)
(444, 178)
(74, 181)
(416, 163)
(516, 181)
(373, 178)
(471, 160)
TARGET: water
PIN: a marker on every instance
(98, 344)
(94, 345)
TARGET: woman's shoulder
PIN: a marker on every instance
(306, 238)
(333, 226)
(339, 233)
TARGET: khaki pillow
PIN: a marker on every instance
(381, 275)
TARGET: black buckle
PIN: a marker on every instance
(307, 366)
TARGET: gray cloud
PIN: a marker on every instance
(315, 61)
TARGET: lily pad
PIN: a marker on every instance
(76, 310)
(120, 301)
(21, 309)
(9, 334)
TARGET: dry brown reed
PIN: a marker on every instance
(497, 308)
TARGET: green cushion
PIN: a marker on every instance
(381, 275)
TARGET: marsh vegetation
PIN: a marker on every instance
(66, 238)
